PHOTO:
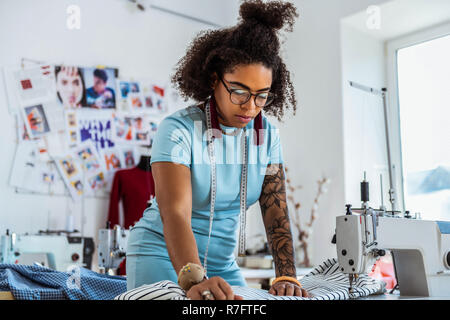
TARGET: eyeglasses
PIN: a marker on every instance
(241, 96)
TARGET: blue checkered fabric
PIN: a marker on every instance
(41, 283)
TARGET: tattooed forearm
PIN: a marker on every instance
(280, 237)
(273, 193)
(276, 220)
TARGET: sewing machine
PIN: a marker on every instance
(58, 250)
(420, 248)
(112, 245)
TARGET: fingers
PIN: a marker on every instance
(305, 293)
(226, 288)
(272, 291)
(194, 294)
(218, 293)
(298, 291)
(219, 288)
(281, 289)
(288, 289)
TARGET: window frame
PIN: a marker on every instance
(391, 48)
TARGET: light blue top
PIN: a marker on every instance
(181, 138)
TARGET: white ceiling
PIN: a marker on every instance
(218, 12)
(400, 17)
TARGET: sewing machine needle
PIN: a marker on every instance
(350, 279)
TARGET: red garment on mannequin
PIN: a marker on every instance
(134, 187)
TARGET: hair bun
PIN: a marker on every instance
(273, 14)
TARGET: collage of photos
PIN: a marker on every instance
(142, 96)
(132, 130)
(99, 118)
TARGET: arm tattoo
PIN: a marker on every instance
(276, 220)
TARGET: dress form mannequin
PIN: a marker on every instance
(144, 163)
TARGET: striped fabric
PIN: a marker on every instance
(326, 282)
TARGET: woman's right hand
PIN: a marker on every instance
(220, 289)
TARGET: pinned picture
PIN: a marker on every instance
(71, 119)
(70, 87)
(36, 121)
(154, 98)
(135, 97)
(129, 157)
(95, 127)
(100, 87)
(131, 130)
(112, 159)
(97, 182)
(131, 98)
(88, 157)
(153, 124)
(22, 133)
(72, 138)
(48, 177)
(68, 166)
(71, 128)
(32, 170)
(124, 87)
(29, 86)
(77, 186)
(122, 102)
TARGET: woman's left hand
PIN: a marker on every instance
(286, 288)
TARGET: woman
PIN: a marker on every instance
(70, 86)
(200, 196)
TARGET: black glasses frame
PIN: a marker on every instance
(230, 91)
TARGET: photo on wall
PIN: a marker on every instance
(154, 98)
(130, 156)
(130, 99)
(22, 132)
(27, 86)
(70, 87)
(131, 129)
(71, 174)
(97, 182)
(88, 156)
(92, 166)
(36, 121)
(100, 87)
(113, 161)
(96, 127)
(68, 167)
(153, 124)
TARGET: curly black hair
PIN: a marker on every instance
(253, 40)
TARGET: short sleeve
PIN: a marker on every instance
(276, 150)
(172, 142)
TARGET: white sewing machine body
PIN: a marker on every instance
(112, 246)
(56, 251)
(420, 250)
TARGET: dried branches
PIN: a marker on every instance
(304, 229)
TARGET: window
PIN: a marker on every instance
(423, 80)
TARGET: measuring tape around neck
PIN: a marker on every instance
(243, 188)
